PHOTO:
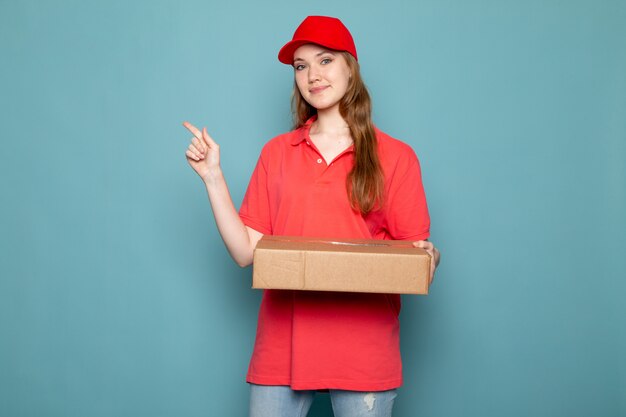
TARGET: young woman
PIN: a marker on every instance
(334, 176)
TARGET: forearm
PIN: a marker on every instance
(234, 232)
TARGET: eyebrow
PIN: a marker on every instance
(325, 51)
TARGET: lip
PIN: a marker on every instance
(316, 90)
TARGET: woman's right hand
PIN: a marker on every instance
(203, 154)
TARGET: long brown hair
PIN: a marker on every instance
(365, 182)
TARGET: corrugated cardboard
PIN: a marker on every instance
(355, 265)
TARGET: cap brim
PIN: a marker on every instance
(285, 55)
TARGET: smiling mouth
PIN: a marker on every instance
(317, 89)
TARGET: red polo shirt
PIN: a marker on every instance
(315, 340)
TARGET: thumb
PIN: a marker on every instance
(208, 139)
(423, 244)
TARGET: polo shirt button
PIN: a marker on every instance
(319, 160)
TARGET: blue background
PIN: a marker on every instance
(117, 297)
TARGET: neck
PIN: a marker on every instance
(330, 121)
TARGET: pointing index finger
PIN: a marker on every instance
(193, 130)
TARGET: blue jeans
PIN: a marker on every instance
(282, 401)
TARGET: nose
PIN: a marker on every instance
(314, 74)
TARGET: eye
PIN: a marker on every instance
(326, 61)
(298, 67)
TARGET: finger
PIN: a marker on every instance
(199, 144)
(191, 155)
(208, 139)
(194, 130)
(196, 152)
(423, 244)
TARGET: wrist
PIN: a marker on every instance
(213, 176)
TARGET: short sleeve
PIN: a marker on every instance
(406, 211)
(255, 208)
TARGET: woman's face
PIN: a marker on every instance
(322, 75)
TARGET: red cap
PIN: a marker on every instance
(321, 30)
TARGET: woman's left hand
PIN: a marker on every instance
(434, 256)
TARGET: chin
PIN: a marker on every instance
(321, 105)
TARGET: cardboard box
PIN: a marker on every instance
(355, 265)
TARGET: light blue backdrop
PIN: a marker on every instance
(117, 297)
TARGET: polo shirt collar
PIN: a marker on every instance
(303, 132)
